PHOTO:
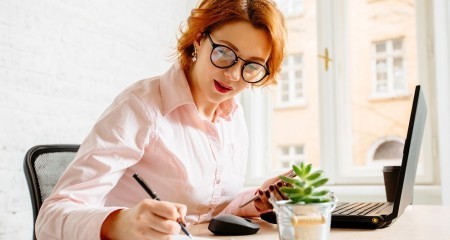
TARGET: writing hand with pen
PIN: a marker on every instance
(149, 219)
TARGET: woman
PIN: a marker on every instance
(183, 132)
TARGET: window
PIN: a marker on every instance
(389, 68)
(386, 151)
(347, 132)
(289, 155)
(291, 8)
(390, 150)
(291, 81)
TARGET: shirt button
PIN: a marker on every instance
(217, 181)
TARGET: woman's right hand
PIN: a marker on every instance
(149, 219)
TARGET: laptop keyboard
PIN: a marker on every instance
(360, 208)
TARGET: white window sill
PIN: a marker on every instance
(389, 96)
(423, 194)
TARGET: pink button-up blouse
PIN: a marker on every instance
(153, 128)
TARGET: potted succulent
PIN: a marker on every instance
(306, 214)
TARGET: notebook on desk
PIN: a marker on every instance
(379, 215)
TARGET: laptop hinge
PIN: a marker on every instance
(389, 217)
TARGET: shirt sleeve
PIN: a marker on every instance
(76, 209)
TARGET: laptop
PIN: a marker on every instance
(374, 215)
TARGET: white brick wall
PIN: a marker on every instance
(61, 64)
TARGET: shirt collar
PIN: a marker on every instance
(175, 92)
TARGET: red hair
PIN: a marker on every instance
(262, 14)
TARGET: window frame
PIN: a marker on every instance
(340, 117)
(333, 90)
(441, 87)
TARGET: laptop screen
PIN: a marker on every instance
(411, 152)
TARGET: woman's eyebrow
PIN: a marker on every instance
(237, 50)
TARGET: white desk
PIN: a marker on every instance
(416, 223)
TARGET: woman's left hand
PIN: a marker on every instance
(270, 186)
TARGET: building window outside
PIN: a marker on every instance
(386, 151)
(291, 8)
(291, 86)
(389, 68)
(289, 155)
(389, 150)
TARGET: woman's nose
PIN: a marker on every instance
(234, 72)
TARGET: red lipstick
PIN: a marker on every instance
(221, 87)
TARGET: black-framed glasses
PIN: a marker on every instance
(224, 57)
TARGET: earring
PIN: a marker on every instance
(194, 55)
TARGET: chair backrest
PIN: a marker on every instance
(43, 166)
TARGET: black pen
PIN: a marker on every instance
(153, 195)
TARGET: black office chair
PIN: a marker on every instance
(43, 166)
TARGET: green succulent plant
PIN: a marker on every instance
(306, 186)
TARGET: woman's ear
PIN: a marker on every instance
(198, 40)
